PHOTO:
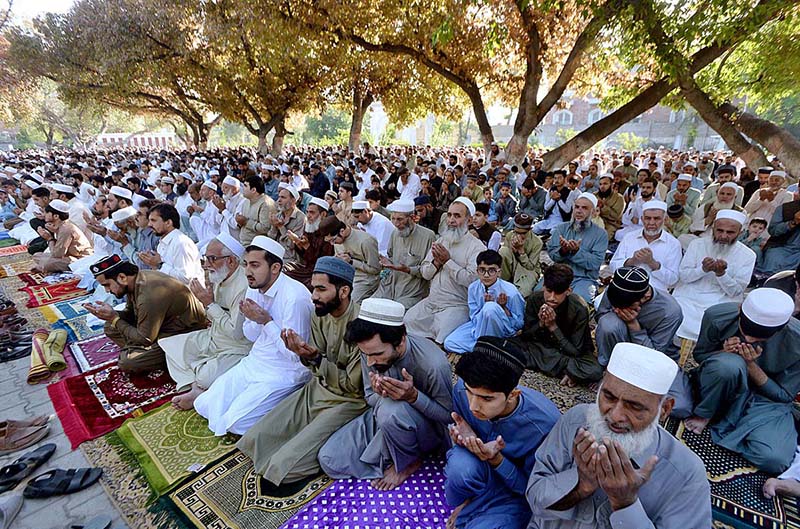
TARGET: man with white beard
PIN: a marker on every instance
(714, 270)
(450, 267)
(198, 358)
(703, 217)
(287, 219)
(205, 218)
(610, 464)
(230, 205)
(309, 245)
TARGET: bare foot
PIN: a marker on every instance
(567, 381)
(392, 478)
(451, 521)
(696, 424)
(185, 401)
(784, 487)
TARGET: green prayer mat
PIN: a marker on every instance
(172, 444)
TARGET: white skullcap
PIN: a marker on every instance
(467, 203)
(360, 204)
(31, 184)
(213, 172)
(320, 203)
(606, 175)
(61, 188)
(382, 311)
(10, 170)
(690, 164)
(231, 244)
(686, 177)
(654, 204)
(121, 192)
(269, 245)
(59, 205)
(425, 177)
(643, 367)
(591, 197)
(782, 174)
(402, 205)
(186, 175)
(397, 164)
(231, 181)
(125, 179)
(731, 185)
(167, 180)
(123, 214)
(37, 177)
(732, 214)
(290, 188)
(339, 168)
(211, 185)
(768, 307)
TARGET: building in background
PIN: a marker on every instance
(145, 140)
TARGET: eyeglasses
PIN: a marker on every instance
(488, 271)
(214, 258)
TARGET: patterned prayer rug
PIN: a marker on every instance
(7, 241)
(229, 495)
(77, 329)
(417, 503)
(12, 269)
(171, 445)
(94, 403)
(45, 294)
(32, 278)
(736, 497)
(65, 310)
(13, 250)
(94, 352)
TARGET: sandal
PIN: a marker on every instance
(13, 474)
(57, 482)
(39, 420)
(98, 522)
(13, 439)
(9, 352)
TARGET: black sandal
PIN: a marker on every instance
(57, 482)
(98, 522)
(11, 475)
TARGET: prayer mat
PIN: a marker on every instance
(32, 278)
(417, 503)
(229, 495)
(94, 352)
(94, 403)
(46, 294)
(77, 329)
(38, 371)
(65, 310)
(13, 250)
(13, 269)
(172, 444)
(736, 498)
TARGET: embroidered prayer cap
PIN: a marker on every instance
(105, 265)
(675, 211)
(123, 214)
(628, 285)
(782, 174)
(643, 367)
(333, 266)
(591, 197)
(382, 311)
(31, 184)
(730, 185)
(121, 192)
(685, 177)
(359, 205)
(269, 245)
(331, 193)
(290, 188)
(402, 205)
(467, 204)
(319, 203)
(211, 185)
(422, 200)
(765, 170)
(167, 180)
(523, 221)
(732, 214)
(231, 181)
(61, 188)
(59, 205)
(654, 204)
(231, 244)
(765, 311)
(502, 350)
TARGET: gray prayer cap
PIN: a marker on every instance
(335, 267)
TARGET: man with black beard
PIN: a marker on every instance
(407, 386)
(311, 244)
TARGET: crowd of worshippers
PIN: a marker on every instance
(307, 303)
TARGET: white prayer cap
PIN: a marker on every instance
(606, 175)
(467, 203)
(654, 204)
(211, 185)
(290, 188)
(186, 175)
(269, 245)
(339, 168)
(643, 367)
(685, 176)
(690, 164)
(10, 170)
(731, 185)
(121, 192)
(397, 164)
(123, 214)
(37, 177)
(782, 174)
(320, 203)
(732, 214)
(231, 181)
(167, 180)
(61, 188)
(591, 197)
(231, 244)
(31, 184)
(768, 307)
(59, 205)
(360, 204)
(425, 177)
(402, 205)
(125, 180)
(213, 172)
(382, 311)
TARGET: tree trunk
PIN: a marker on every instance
(487, 136)
(777, 140)
(262, 140)
(277, 140)
(516, 149)
(361, 103)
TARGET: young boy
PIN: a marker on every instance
(481, 228)
(755, 237)
(498, 428)
(496, 308)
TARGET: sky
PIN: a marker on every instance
(26, 9)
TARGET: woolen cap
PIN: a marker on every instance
(675, 211)
(334, 266)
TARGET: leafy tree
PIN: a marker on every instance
(630, 141)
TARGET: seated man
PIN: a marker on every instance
(521, 254)
(684, 194)
(204, 217)
(177, 254)
(481, 229)
(651, 247)
(376, 225)
(450, 267)
(714, 270)
(498, 429)
(65, 241)
(677, 222)
(357, 248)
(495, 306)
(197, 359)
(287, 219)
(610, 203)
(704, 216)
(309, 245)
(610, 464)
(408, 388)
(284, 444)
(782, 251)
(274, 301)
(582, 245)
(555, 336)
(157, 306)
(748, 378)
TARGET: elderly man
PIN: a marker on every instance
(632, 216)
(255, 210)
(230, 205)
(704, 216)
(240, 397)
(450, 267)
(782, 251)
(766, 201)
(408, 389)
(309, 245)
(333, 397)
(610, 464)
(582, 245)
(684, 194)
(408, 246)
(65, 242)
(143, 240)
(157, 306)
(197, 359)
(610, 203)
(725, 174)
(357, 248)
(521, 254)
(177, 254)
(714, 270)
(376, 225)
(748, 378)
(287, 219)
(651, 248)
(205, 218)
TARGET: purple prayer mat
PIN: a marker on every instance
(94, 352)
(418, 503)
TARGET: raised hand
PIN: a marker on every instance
(203, 294)
(459, 430)
(617, 477)
(584, 450)
(399, 389)
(297, 345)
(254, 312)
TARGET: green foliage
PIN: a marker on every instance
(565, 134)
(629, 141)
(329, 127)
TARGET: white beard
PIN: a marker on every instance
(652, 233)
(405, 232)
(218, 276)
(453, 235)
(312, 227)
(723, 205)
(633, 443)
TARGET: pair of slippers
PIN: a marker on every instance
(53, 482)
(10, 505)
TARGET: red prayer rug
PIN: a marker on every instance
(32, 278)
(45, 294)
(99, 401)
(13, 250)
(94, 352)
